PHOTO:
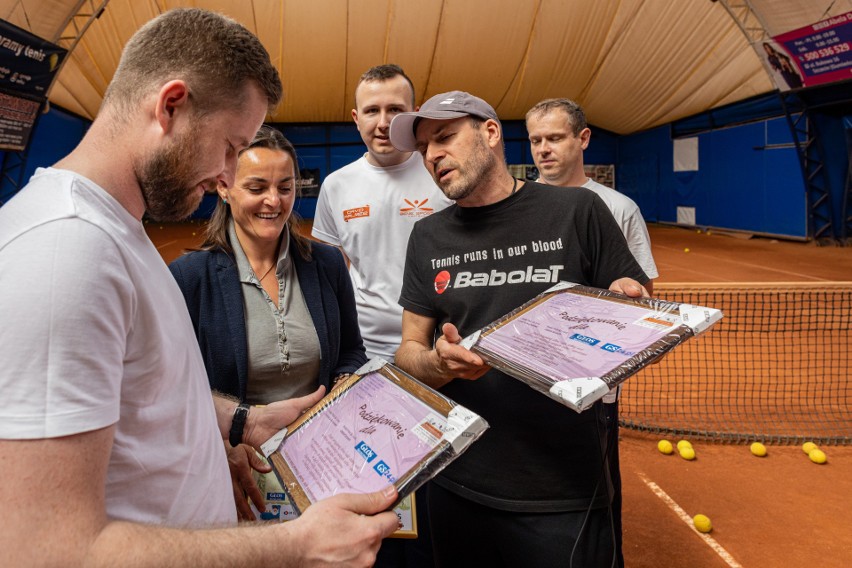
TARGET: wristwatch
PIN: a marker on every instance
(235, 437)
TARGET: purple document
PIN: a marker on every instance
(371, 434)
(575, 343)
(379, 427)
(572, 336)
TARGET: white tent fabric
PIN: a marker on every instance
(633, 64)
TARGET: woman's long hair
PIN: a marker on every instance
(216, 231)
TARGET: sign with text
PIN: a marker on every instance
(17, 118)
(813, 55)
(28, 64)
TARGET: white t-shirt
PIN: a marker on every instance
(369, 211)
(96, 332)
(629, 218)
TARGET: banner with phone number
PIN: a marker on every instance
(822, 51)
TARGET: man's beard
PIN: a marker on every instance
(168, 181)
(480, 162)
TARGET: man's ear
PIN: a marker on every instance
(493, 132)
(172, 101)
(355, 116)
(585, 136)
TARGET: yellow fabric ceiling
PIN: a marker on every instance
(633, 64)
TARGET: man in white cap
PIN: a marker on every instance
(520, 495)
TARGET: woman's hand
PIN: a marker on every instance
(242, 460)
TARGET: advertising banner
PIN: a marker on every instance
(813, 55)
(28, 63)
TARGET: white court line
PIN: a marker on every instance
(711, 542)
(166, 244)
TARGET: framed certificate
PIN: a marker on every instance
(574, 343)
(279, 508)
(380, 426)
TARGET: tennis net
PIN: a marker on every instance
(775, 368)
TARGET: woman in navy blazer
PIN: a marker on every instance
(274, 313)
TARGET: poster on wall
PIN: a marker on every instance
(28, 64)
(813, 55)
(17, 118)
(601, 173)
(309, 182)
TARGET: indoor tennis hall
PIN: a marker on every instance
(726, 123)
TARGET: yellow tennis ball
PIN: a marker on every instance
(687, 454)
(808, 447)
(665, 447)
(817, 456)
(702, 523)
(684, 444)
(758, 449)
(686, 250)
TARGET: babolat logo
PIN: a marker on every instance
(499, 278)
(585, 339)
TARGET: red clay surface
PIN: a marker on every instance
(778, 511)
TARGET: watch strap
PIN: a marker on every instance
(235, 437)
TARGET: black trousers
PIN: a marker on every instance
(467, 534)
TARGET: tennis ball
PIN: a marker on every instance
(708, 231)
(808, 447)
(684, 444)
(702, 523)
(665, 447)
(758, 449)
(686, 250)
(817, 456)
(687, 454)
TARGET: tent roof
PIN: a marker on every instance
(632, 64)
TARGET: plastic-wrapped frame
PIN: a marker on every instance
(574, 343)
(377, 427)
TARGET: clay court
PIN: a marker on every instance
(777, 511)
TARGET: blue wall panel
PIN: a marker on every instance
(748, 179)
(740, 184)
(55, 135)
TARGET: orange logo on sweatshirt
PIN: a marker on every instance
(416, 208)
(349, 214)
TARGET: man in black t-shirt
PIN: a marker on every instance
(534, 490)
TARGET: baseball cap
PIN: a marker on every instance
(445, 106)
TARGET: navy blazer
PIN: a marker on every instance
(211, 287)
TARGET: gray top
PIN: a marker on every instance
(283, 347)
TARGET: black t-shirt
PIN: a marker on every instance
(469, 266)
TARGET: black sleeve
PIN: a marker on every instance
(352, 353)
(413, 296)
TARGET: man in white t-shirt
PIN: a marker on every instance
(558, 134)
(368, 207)
(111, 446)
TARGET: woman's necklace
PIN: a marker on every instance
(265, 274)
